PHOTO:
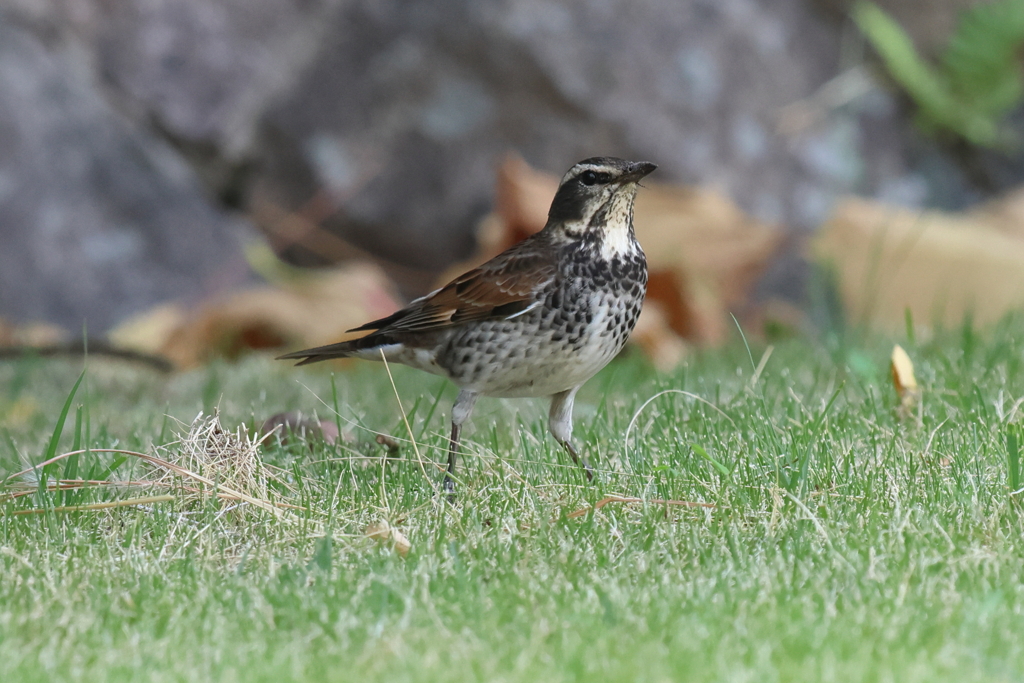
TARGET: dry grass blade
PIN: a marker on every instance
(408, 428)
(145, 500)
(230, 458)
(636, 415)
(73, 484)
(273, 508)
(627, 499)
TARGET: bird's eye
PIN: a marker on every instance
(593, 178)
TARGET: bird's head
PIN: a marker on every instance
(595, 199)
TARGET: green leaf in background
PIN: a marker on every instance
(982, 57)
(978, 80)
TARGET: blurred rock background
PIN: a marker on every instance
(142, 143)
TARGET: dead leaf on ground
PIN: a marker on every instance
(939, 266)
(33, 334)
(663, 346)
(385, 534)
(391, 443)
(703, 252)
(310, 310)
(308, 429)
(1005, 214)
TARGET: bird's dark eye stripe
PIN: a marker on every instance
(594, 178)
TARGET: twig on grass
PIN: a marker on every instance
(145, 500)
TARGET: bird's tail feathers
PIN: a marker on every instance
(364, 347)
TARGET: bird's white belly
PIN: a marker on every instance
(538, 366)
(548, 374)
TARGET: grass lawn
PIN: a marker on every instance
(845, 543)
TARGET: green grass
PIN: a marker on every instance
(846, 545)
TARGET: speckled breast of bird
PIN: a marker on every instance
(583, 320)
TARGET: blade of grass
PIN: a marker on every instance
(98, 506)
(433, 409)
(71, 465)
(51, 447)
(636, 415)
(699, 450)
(58, 429)
(163, 464)
(412, 437)
(800, 476)
(772, 438)
(1013, 456)
(629, 499)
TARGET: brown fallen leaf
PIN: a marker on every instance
(939, 266)
(624, 499)
(391, 443)
(149, 330)
(663, 346)
(309, 310)
(33, 334)
(384, 533)
(906, 384)
(305, 428)
(703, 252)
(1005, 214)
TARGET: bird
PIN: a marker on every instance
(537, 320)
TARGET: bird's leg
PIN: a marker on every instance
(460, 413)
(560, 424)
(453, 454)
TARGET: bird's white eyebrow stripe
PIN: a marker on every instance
(529, 308)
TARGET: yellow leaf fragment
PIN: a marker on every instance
(384, 533)
(903, 379)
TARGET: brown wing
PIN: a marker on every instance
(500, 288)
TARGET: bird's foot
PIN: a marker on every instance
(448, 487)
(579, 460)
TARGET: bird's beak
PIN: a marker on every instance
(636, 171)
